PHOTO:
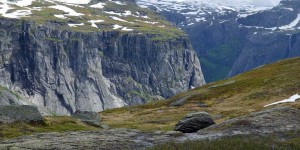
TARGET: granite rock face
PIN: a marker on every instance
(9, 98)
(62, 71)
(194, 122)
(24, 113)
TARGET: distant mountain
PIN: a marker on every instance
(231, 38)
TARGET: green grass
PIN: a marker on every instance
(230, 98)
(249, 142)
(51, 124)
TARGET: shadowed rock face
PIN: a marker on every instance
(62, 71)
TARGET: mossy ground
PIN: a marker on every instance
(229, 98)
(51, 124)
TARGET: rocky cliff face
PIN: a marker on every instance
(232, 38)
(62, 71)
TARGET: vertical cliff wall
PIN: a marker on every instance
(62, 71)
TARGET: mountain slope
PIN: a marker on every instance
(65, 56)
(233, 37)
(234, 97)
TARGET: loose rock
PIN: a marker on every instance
(194, 122)
(91, 118)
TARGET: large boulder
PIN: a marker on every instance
(194, 122)
(22, 113)
(91, 118)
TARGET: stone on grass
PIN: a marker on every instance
(194, 122)
(88, 117)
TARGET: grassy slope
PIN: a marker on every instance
(229, 98)
(51, 124)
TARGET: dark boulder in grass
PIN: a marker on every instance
(91, 118)
(193, 122)
(22, 113)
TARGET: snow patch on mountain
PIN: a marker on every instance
(229, 3)
(292, 24)
(197, 11)
(98, 5)
(74, 1)
(69, 11)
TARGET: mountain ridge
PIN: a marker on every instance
(231, 40)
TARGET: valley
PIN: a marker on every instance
(149, 74)
(231, 37)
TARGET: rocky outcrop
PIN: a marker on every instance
(91, 118)
(27, 114)
(280, 118)
(194, 122)
(62, 71)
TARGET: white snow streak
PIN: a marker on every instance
(75, 1)
(292, 24)
(99, 5)
(94, 22)
(290, 100)
(116, 26)
(69, 11)
(75, 25)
